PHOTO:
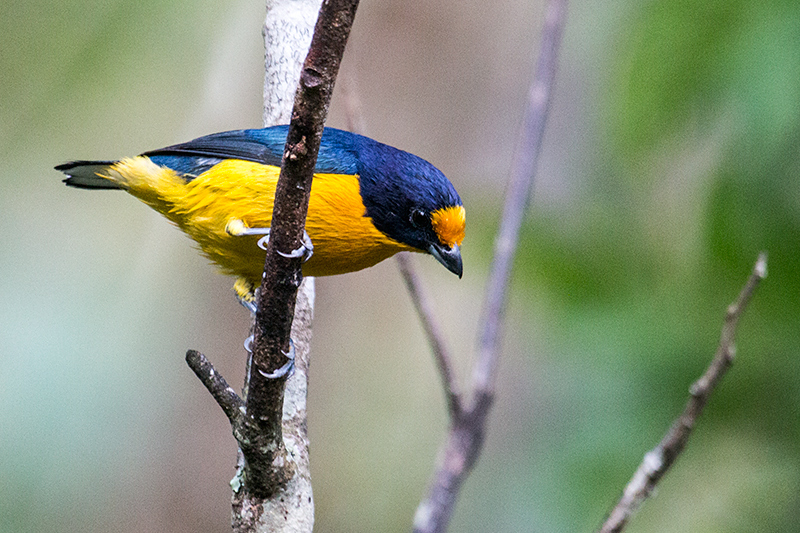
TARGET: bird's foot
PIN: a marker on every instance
(285, 371)
(305, 250)
(237, 228)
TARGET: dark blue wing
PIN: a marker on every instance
(263, 146)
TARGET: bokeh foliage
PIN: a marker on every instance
(699, 171)
(681, 122)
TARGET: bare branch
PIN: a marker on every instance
(267, 466)
(658, 460)
(465, 439)
(269, 458)
(419, 297)
(518, 195)
(288, 30)
(230, 402)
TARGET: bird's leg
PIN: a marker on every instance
(238, 228)
(245, 292)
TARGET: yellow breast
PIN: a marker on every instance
(344, 238)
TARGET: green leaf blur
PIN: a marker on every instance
(671, 159)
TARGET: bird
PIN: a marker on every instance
(368, 200)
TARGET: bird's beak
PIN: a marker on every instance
(449, 257)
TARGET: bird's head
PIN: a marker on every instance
(411, 201)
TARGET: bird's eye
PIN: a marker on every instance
(418, 218)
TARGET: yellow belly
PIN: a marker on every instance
(344, 238)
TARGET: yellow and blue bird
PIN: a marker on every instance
(368, 200)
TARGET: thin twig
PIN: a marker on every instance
(518, 195)
(657, 461)
(465, 438)
(419, 297)
(417, 292)
(226, 397)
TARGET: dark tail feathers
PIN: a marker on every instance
(87, 174)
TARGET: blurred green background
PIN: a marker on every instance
(671, 159)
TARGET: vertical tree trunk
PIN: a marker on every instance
(288, 29)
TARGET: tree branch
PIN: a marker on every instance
(419, 297)
(518, 195)
(657, 461)
(267, 492)
(417, 292)
(465, 438)
(288, 30)
(230, 402)
(267, 465)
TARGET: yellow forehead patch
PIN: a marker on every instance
(448, 223)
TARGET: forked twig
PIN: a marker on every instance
(230, 402)
(465, 439)
(657, 461)
(419, 296)
(268, 489)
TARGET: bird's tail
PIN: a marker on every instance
(91, 175)
(157, 186)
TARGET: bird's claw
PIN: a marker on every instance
(305, 250)
(248, 344)
(285, 371)
(264, 241)
(237, 228)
